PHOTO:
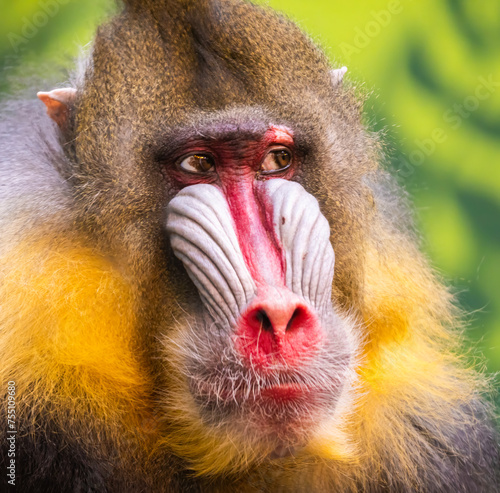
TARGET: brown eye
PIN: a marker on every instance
(276, 160)
(197, 163)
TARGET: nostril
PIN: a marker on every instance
(279, 320)
(263, 320)
(293, 319)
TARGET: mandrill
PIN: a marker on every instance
(207, 286)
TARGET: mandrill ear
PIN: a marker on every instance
(337, 75)
(59, 103)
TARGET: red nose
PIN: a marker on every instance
(277, 327)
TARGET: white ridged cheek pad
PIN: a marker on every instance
(304, 234)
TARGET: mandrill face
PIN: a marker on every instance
(235, 178)
(267, 360)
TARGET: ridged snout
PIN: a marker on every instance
(268, 321)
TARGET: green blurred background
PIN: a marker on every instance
(432, 68)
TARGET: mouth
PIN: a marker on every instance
(226, 390)
(272, 405)
(282, 414)
(288, 393)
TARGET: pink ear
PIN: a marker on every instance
(58, 103)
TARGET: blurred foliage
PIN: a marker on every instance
(432, 68)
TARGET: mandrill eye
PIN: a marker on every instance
(197, 163)
(276, 160)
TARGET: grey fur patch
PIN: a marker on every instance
(32, 190)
